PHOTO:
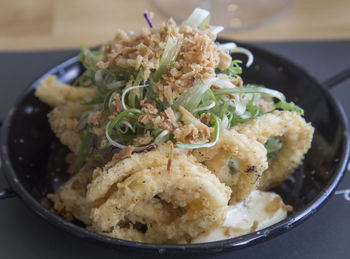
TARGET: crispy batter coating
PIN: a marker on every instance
(70, 197)
(64, 120)
(54, 93)
(115, 171)
(250, 154)
(296, 136)
(172, 206)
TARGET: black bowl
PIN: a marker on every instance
(33, 158)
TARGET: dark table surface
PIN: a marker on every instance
(325, 235)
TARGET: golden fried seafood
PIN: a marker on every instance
(173, 136)
(53, 92)
(296, 136)
(251, 157)
(117, 170)
(70, 198)
(173, 204)
(64, 120)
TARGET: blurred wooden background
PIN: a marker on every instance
(58, 24)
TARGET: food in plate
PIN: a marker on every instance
(168, 145)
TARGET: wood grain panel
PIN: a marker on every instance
(52, 24)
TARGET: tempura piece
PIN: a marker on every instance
(70, 197)
(54, 93)
(64, 120)
(117, 170)
(251, 157)
(170, 203)
(296, 136)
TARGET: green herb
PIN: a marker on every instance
(273, 145)
(87, 57)
(171, 50)
(107, 99)
(289, 107)
(193, 96)
(233, 164)
(97, 100)
(246, 52)
(251, 89)
(210, 144)
(198, 19)
(83, 150)
(115, 124)
(234, 69)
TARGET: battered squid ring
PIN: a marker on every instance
(70, 197)
(64, 120)
(116, 171)
(250, 154)
(174, 206)
(296, 136)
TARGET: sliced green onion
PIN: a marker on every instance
(225, 123)
(227, 46)
(246, 52)
(127, 125)
(224, 83)
(118, 145)
(210, 144)
(97, 100)
(251, 89)
(198, 19)
(250, 113)
(139, 77)
(111, 141)
(239, 107)
(84, 149)
(122, 115)
(162, 138)
(171, 50)
(289, 107)
(273, 145)
(234, 69)
(224, 108)
(115, 85)
(128, 90)
(233, 164)
(106, 101)
(204, 108)
(192, 97)
(216, 29)
(99, 81)
(86, 57)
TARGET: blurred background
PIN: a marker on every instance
(60, 24)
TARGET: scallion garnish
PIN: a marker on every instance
(233, 165)
(246, 52)
(251, 89)
(125, 107)
(273, 145)
(215, 137)
(84, 149)
(289, 107)
(171, 50)
(198, 19)
(227, 46)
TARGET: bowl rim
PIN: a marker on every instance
(215, 246)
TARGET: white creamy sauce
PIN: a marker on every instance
(259, 210)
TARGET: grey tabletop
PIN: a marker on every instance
(23, 234)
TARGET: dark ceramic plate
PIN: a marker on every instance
(33, 158)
